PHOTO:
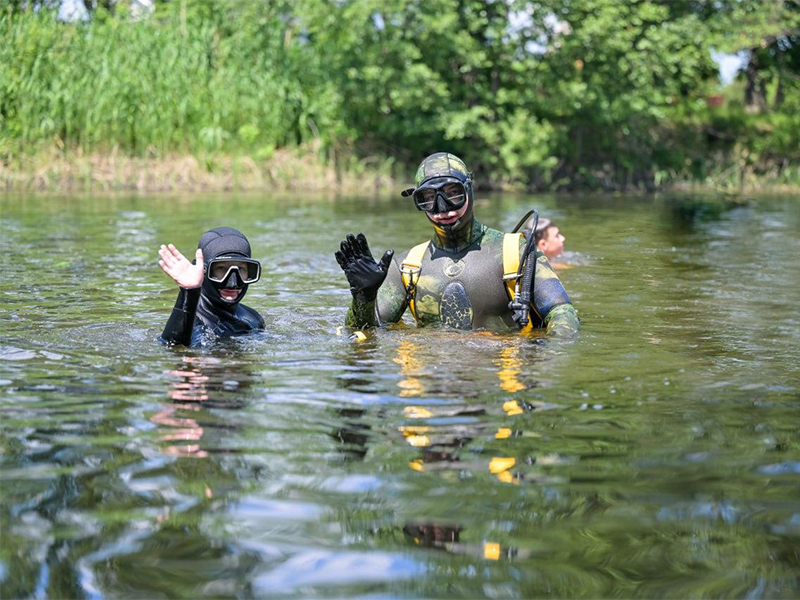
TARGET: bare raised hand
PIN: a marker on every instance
(177, 266)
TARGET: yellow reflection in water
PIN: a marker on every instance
(414, 436)
(501, 463)
(507, 477)
(502, 433)
(510, 369)
(410, 367)
(491, 551)
(417, 412)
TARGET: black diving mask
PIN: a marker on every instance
(248, 270)
(439, 195)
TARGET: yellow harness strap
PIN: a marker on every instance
(510, 261)
(511, 242)
(410, 268)
(409, 271)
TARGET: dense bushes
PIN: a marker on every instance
(556, 93)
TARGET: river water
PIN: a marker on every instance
(656, 456)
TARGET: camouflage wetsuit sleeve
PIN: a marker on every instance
(387, 308)
(551, 301)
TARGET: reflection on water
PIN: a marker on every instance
(410, 366)
(199, 383)
(656, 456)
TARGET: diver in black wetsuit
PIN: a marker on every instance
(463, 277)
(211, 288)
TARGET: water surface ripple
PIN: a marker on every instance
(657, 456)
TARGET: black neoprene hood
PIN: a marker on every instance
(221, 241)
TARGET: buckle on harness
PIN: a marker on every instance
(411, 288)
(520, 311)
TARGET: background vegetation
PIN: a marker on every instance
(535, 94)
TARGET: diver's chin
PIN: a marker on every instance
(445, 221)
(230, 295)
(451, 226)
(446, 225)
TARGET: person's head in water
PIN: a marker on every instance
(229, 270)
(444, 192)
(549, 239)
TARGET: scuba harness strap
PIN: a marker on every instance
(409, 271)
(511, 270)
(510, 261)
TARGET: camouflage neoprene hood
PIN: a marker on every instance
(442, 164)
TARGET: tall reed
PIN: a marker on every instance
(171, 83)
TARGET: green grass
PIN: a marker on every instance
(156, 86)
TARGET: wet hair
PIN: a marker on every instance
(541, 229)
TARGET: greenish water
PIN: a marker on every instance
(657, 456)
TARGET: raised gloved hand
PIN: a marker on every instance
(364, 274)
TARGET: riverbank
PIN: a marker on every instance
(299, 169)
(287, 169)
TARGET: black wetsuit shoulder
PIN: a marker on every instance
(250, 316)
(193, 316)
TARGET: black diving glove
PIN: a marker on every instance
(364, 274)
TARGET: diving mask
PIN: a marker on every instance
(439, 195)
(248, 270)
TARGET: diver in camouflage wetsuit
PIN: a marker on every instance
(457, 279)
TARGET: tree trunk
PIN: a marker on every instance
(755, 89)
(779, 94)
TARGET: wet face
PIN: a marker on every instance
(552, 244)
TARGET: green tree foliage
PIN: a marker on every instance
(536, 93)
